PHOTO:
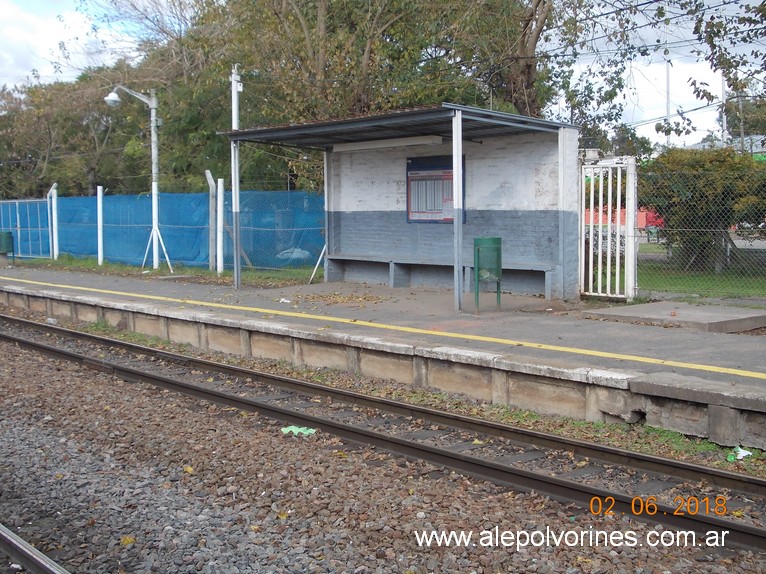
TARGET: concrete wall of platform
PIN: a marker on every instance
(669, 401)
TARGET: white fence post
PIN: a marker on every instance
(631, 239)
(212, 219)
(53, 222)
(100, 222)
(219, 229)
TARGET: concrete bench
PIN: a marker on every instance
(399, 268)
(540, 266)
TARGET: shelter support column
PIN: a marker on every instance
(457, 202)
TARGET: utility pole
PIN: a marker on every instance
(236, 88)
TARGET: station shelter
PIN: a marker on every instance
(409, 194)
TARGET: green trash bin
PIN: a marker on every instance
(6, 242)
(487, 265)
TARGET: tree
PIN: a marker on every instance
(496, 42)
(58, 134)
(626, 141)
(179, 30)
(593, 136)
(305, 60)
(326, 58)
(701, 194)
(18, 169)
(745, 112)
(733, 41)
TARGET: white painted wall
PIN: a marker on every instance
(570, 170)
(375, 180)
(519, 173)
(509, 173)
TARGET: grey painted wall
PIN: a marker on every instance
(527, 237)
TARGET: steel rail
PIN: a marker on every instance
(740, 535)
(29, 557)
(602, 453)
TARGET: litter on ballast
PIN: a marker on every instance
(299, 431)
(738, 454)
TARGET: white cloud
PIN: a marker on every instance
(653, 85)
(32, 30)
(646, 97)
(31, 33)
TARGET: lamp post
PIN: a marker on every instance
(113, 100)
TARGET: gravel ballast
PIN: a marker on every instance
(108, 476)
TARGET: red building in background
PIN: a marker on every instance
(644, 218)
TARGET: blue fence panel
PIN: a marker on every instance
(127, 228)
(27, 220)
(8, 215)
(33, 238)
(77, 226)
(278, 229)
(184, 227)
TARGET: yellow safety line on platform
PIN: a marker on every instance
(445, 334)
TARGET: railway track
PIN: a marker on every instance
(27, 556)
(603, 480)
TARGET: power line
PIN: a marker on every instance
(675, 115)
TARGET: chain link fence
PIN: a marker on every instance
(27, 221)
(278, 229)
(702, 232)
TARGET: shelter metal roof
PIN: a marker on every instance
(478, 124)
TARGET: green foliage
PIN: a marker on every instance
(308, 60)
(746, 114)
(734, 42)
(677, 441)
(627, 142)
(701, 194)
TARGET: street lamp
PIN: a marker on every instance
(113, 100)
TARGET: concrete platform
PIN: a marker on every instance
(702, 317)
(617, 363)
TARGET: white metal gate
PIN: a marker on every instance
(608, 254)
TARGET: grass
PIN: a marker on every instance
(652, 248)
(730, 283)
(746, 280)
(674, 441)
(102, 328)
(250, 277)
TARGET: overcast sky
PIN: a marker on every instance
(650, 102)
(31, 31)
